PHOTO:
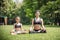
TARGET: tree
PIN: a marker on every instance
(49, 11)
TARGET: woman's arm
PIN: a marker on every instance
(42, 23)
(32, 22)
(31, 28)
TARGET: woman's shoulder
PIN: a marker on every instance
(41, 18)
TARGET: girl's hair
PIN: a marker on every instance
(18, 17)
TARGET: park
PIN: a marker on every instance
(49, 11)
(53, 33)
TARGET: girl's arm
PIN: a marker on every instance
(14, 26)
(21, 27)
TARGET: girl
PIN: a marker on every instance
(37, 24)
(18, 27)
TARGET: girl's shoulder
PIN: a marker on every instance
(33, 19)
(17, 23)
(20, 23)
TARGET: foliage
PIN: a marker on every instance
(49, 9)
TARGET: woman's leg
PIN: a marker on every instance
(34, 31)
(31, 30)
(43, 30)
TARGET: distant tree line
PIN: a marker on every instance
(49, 9)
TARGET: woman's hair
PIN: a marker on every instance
(37, 11)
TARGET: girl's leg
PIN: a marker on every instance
(13, 32)
(24, 31)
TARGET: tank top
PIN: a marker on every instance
(18, 25)
(37, 21)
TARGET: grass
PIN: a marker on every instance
(53, 33)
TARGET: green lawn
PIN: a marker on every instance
(53, 33)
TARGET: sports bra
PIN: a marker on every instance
(18, 25)
(37, 21)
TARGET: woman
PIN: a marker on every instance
(37, 24)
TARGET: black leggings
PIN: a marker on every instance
(36, 31)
